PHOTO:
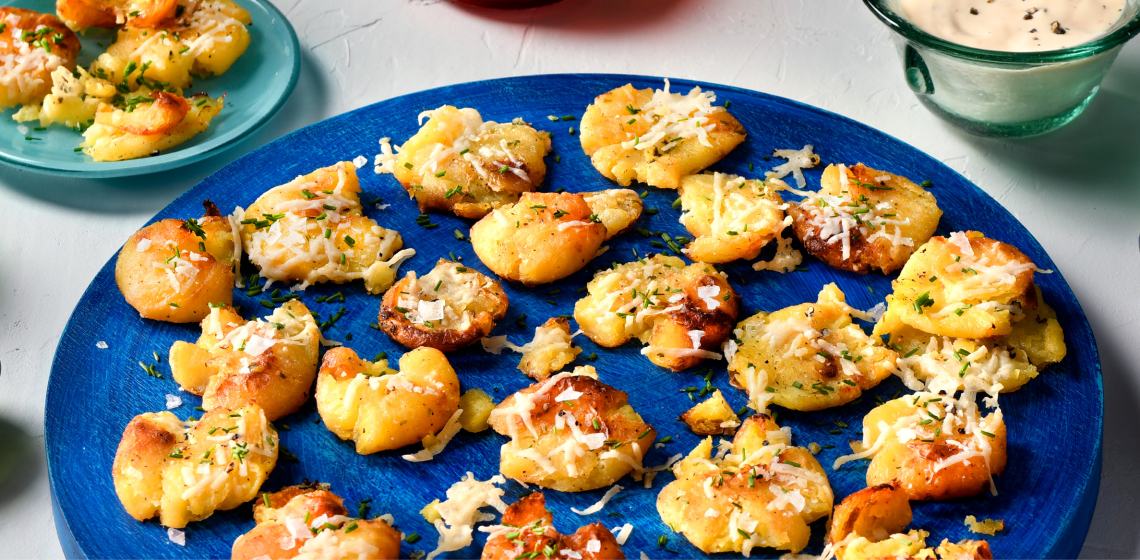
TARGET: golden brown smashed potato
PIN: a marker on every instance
(309, 521)
(864, 219)
(460, 163)
(74, 99)
(762, 493)
(270, 362)
(912, 544)
(682, 313)
(731, 218)
(874, 513)
(528, 530)
(656, 137)
(183, 472)
(964, 286)
(32, 46)
(551, 349)
(542, 238)
(446, 309)
(148, 125)
(82, 14)
(712, 416)
(174, 270)
(548, 236)
(380, 408)
(931, 446)
(570, 433)
(313, 229)
(808, 356)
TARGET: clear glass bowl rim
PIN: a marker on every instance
(900, 25)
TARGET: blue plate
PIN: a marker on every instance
(1046, 495)
(255, 87)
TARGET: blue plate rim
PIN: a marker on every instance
(1076, 518)
(176, 158)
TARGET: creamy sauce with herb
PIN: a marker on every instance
(1014, 25)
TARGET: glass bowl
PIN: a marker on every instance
(998, 93)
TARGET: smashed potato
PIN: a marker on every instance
(313, 229)
(548, 236)
(681, 312)
(712, 416)
(175, 270)
(965, 286)
(759, 492)
(656, 137)
(270, 362)
(808, 356)
(32, 46)
(148, 125)
(864, 219)
(460, 163)
(73, 101)
(528, 530)
(570, 433)
(205, 39)
(542, 238)
(476, 406)
(83, 14)
(912, 544)
(446, 309)
(183, 472)
(380, 408)
(874, 513)
(309, 521)
(932, 446)
(731, 218)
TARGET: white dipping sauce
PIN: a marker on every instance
(1014, 25)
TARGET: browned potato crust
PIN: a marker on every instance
(446, 309)
(270, 362)
(570, 433)
(82, 14)
(184, 472)
(864, 219)
(536, 533)
(874, 513)
(310, 521)
(460, 163)
(681, 312)
(655, 137)
(174, 270)
(37, 43)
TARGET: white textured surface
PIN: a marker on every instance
(1078, 190)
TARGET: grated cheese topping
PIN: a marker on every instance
(838, 217)
(797, 161)
(437, 442)
(786, 259)
(459, 513)
(674, 118)
(447, 297)
(600, 504)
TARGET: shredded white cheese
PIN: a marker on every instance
(600, 503)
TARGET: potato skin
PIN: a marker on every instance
(911, 466)
(608, 122)
(483, 303)
(741, 487)
(542, 238)
(501, 161)
(610, 316)
(538, 430)
(178, 290)
(537, 533)
(731, 218)
(277, 378)
(887, 203)
(381, 409)
(158, 465)
(83, 14)
(941, 291)
(60, 46)
(777, 361)
(275, 513)
(875, 513)
(711, 417)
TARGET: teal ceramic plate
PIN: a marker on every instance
(255, 88)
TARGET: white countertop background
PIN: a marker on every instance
(1077, 190)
